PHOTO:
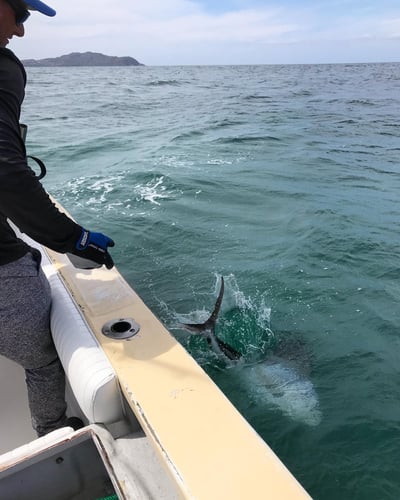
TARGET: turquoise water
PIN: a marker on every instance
(284, 179)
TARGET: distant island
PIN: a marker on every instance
(83, 59)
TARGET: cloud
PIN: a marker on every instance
(146, 27)
(390, 28)
(185, 32)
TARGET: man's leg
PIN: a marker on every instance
(46, 393)
(25, 337)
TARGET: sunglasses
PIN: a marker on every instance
(21, 13)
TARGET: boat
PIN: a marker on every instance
(156, 426)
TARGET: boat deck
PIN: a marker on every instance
(15, 420)
(130, 456)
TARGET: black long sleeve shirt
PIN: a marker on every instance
(22, 197)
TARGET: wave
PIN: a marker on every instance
(257, 97)
(246, 139)
(161, 83)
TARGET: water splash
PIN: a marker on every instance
(243, 323)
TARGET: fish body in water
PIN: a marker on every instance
(281, 385)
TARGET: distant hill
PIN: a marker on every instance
(83, 59)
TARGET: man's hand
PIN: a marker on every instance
(94, 247)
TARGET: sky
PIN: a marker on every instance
(201, 32)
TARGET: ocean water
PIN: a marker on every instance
(286, 181)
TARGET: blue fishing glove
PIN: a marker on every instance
(92, 250)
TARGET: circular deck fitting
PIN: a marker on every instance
(120, 329)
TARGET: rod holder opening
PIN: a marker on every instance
(120, 329)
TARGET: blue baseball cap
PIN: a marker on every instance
(40, 7)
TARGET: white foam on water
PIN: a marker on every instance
(152, 191)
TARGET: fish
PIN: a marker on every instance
(207, 329)
(276, 380)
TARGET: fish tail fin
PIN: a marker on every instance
(210, 323)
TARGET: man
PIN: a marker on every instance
(24, 291)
